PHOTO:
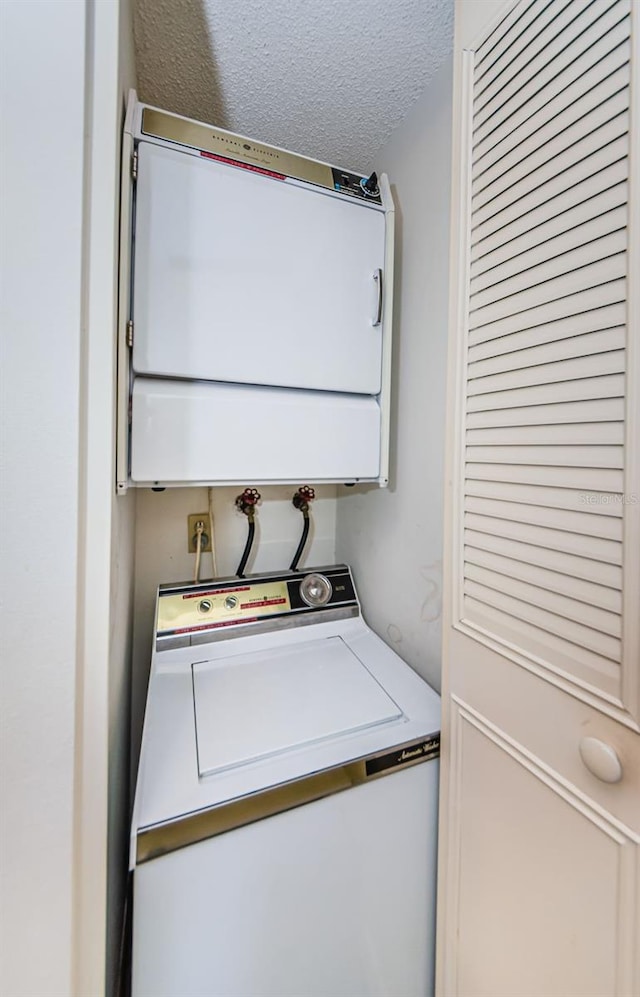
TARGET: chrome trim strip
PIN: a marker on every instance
(294, 618)
(161, 839)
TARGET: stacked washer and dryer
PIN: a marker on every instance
(284, 830)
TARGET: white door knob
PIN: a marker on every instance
(601, 759)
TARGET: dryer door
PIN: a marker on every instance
(255, 279)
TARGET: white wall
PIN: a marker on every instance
(42, 75)
(161, 552)
(393, 537)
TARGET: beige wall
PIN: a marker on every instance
(393, 537)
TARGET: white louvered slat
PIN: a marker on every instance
(532, 176)
(603, 341)
(542, 516)
(607, 527)
(606, 55)
(505, 286)
(570, 172)
(611, 386)
(505, 35)
(580, 456)
(596, 217)
(550, 623)
(571, 434)
(587, 479)
(532, 41)
(608, 551)
(492, 269)
(594, 320)
(500, 153)
(561, 561)
(569, 585)
(611, 292)
(570, 658)
(559, 214)
(514, 33)
(608, 504)
(561, 370)
(602, 409)
(540, 596)
(605, 101)
(538, 69)
(585, 278)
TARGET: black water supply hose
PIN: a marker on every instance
(302, 500)
(247, 503)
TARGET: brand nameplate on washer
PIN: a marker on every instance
(421, 751)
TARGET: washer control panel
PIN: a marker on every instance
(185, 611)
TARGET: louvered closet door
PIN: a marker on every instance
(540, 867)
(544, 481)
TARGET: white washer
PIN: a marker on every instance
(284, 831)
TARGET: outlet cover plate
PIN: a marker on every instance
(192, 519)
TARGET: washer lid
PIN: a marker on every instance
(250, 706)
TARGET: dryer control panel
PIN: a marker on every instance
(189, 614)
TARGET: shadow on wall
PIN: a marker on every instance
(175, 50)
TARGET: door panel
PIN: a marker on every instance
(542, 877)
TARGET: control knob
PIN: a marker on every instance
(370, 185)
(315, 590)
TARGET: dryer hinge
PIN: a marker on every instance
(134, 166)
(130, 333)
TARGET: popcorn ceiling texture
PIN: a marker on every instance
(326, 79)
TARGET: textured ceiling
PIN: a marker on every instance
(327, 79)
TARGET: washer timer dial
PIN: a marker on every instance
(316, 590)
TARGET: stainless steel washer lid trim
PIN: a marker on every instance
(152, 842)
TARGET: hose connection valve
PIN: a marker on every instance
(303, 498)
(247, 502)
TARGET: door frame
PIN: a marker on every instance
(96, 495)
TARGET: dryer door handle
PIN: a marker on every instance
(377, 319)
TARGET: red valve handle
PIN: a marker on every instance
(303, 497)
(247, 502)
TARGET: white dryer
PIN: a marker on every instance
(284, 831)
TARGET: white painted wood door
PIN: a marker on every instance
(539, 890)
